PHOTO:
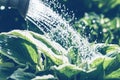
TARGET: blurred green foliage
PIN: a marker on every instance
(99, 20)
(102, 6)
(99, 28)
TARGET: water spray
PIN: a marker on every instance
(54, 27)
(20, 5)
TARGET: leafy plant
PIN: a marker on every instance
(26, 55)
(99, 28)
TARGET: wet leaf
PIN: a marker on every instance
(18, 49)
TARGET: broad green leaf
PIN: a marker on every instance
(72, 72)
(22, 74)
(111, 54)
(109, 50)
(107, 62)
(55, 47)
(18, 49)
(111, 65)
(115, 75)
(97, 62)
(98, 73)
(36, 43)
(112, 49)
(44, 46)
(66, 71)
(30, 36)
(6, 69)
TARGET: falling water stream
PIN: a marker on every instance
(57, 28)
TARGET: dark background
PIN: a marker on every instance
(11, 19)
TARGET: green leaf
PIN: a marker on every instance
(111, 54)
(97, 62)
(55, 47)
(72, 72)
(115, 75)
(44, 45)
(66, 71)
(108, 62)
(6, 69)
(19, 50)
(109, 50)
(98, 73)
(30, 44)
(72, 56)
(111, 64)
(22, 74)
(45, 77)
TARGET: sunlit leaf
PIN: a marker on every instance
(18, 49)
(115, 75)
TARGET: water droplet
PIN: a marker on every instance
(2, 7)
(8, 52)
